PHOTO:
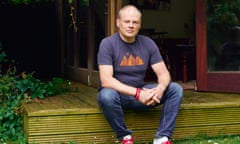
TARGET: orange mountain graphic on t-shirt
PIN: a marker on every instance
(131, 61)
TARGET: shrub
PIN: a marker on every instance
(16, 89)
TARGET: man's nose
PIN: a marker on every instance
(131, 24)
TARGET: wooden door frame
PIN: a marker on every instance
(210, 81)
(113, 7)
(59, 10)
(88, 75)
(201, 76)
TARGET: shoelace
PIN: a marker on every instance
(127, 141)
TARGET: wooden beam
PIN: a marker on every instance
(59, 9)
(201, 45)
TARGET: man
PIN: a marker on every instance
(123, 59)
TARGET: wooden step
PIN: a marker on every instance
(77, 118)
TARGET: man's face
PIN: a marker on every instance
(129, 24)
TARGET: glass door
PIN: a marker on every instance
(218, 45)
(85, 27)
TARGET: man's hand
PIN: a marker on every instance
(145, 96)
(151, 96)
(158, 93)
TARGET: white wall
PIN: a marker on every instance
(171, 21)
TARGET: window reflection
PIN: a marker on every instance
(229, 59)
(223, 35)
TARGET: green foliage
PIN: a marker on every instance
(221, 16)
(17, 2)
(2, 54)
(37, 89)
(16, 90)
(228, 139)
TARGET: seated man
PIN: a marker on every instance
(123, 59)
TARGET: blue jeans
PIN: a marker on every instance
(113, 103)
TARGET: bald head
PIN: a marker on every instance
(129, 9)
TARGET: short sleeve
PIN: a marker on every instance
(155, 53)
(105, 52)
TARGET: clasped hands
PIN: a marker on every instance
(150, 96)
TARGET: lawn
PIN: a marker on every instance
(203, 139)
(214, 140)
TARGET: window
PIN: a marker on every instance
(223, 35)
(216, 24)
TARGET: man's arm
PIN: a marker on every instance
(162, 73)
(163, 79)
(108, 81)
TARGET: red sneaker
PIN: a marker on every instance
(167, 142)
(127, 140)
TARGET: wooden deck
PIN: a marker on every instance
(75, 117)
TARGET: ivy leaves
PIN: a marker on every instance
(16, 89)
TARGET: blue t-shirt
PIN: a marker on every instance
(129, 60)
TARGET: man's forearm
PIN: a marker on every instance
(163, 81)
(120, 87)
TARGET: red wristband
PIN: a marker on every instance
(138, 91)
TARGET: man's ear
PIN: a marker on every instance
(117, 22)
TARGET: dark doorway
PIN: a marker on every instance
(29, 35)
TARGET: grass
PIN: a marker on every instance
(200, 139)
(203, 139)
(211, 140)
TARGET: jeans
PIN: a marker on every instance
(113, 105)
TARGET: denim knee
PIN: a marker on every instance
(107, 97)
(177, 90)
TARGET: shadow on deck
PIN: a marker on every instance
(76, 117)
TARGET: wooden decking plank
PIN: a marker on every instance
(141, 135)
(208, 116)
(89, 100)
(216, 130)
(73, 101)
(76, 116)
(86, 97)
(96, 138)
(83, 123)
(34, 108)
(70, 124)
